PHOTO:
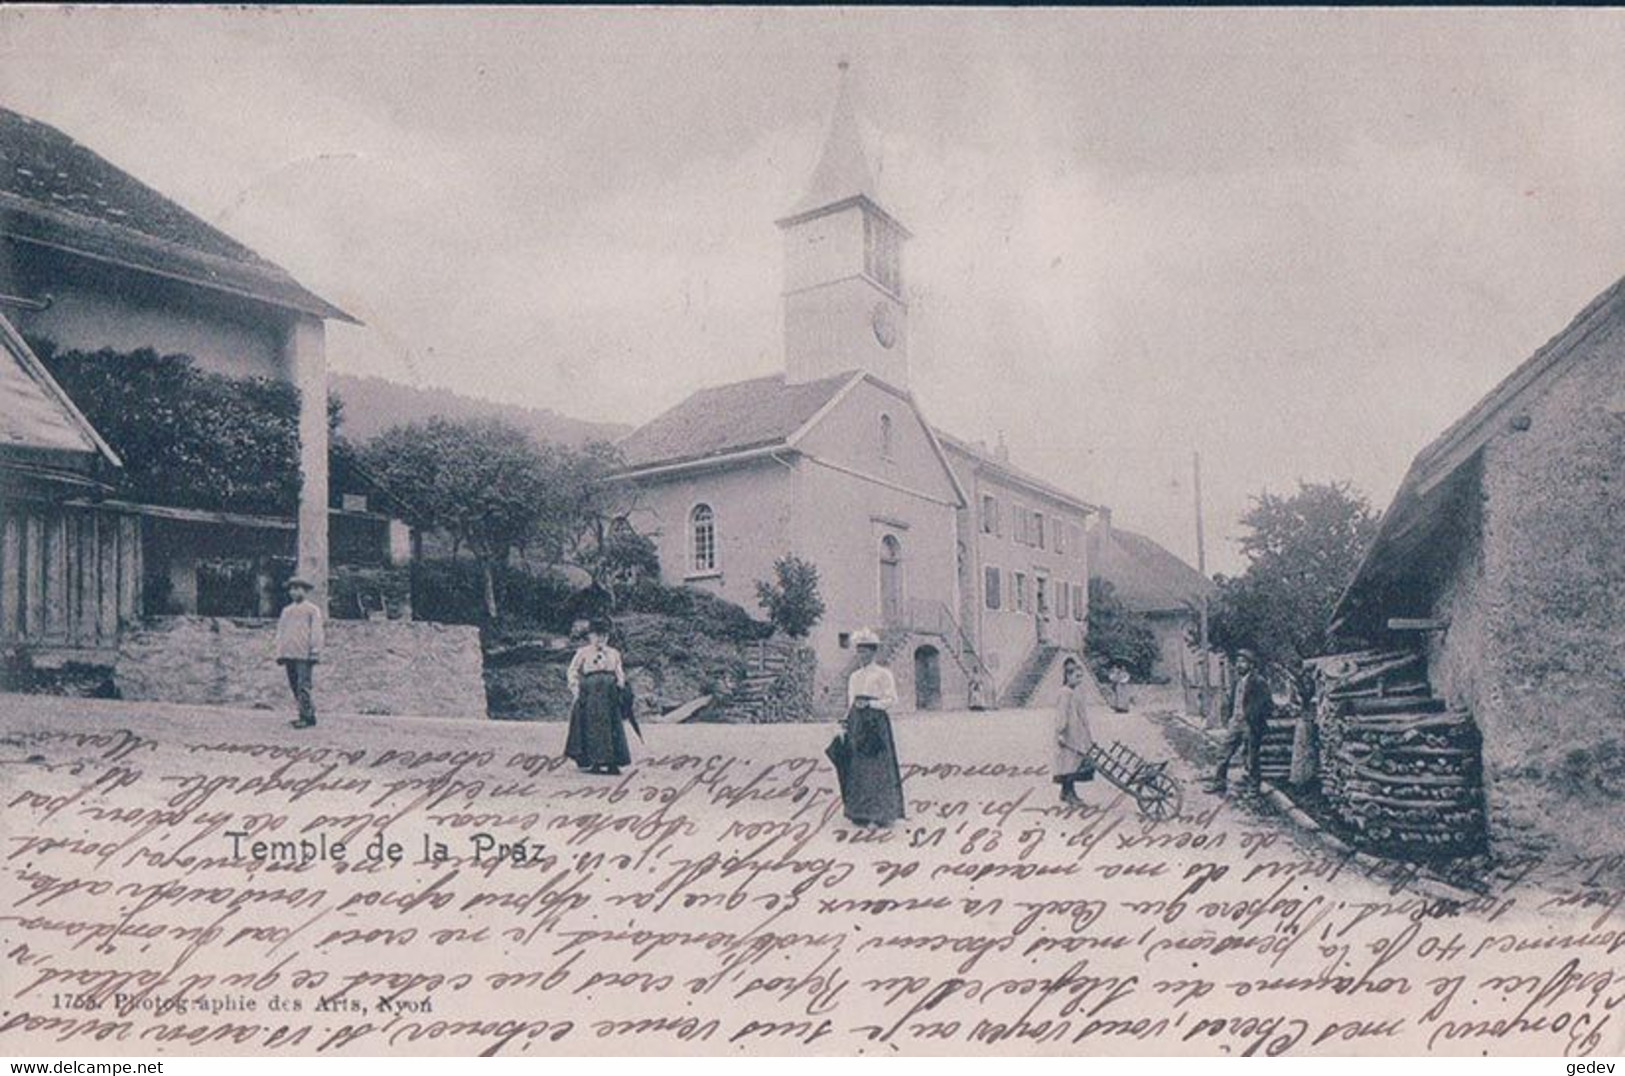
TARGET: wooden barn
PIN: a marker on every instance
(105, 270)
(70, 571)
(1490, 610)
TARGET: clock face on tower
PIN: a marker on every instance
(884, 323)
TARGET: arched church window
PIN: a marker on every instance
(885, 437)
(703, 528)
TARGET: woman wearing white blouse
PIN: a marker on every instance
(871, 785)
(597, 741)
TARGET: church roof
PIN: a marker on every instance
(58, 194)
(36, 416)
(726, 419)
(1145, 576)
(843, 174)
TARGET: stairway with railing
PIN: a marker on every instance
(1027, 679)
(924, 616)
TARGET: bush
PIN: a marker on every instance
(792, 600)
(188, 437)
(1117, 636)
(450, 590)
(711, 615)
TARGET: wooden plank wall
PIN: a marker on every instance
(69, 577)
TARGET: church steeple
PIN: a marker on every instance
(844, 305)
(843, 170)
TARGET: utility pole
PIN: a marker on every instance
(1205, 690)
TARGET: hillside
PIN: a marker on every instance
(372, 405)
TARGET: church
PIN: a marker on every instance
(973, 572)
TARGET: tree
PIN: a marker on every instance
(792, 600)
(1301, 550)
(483, 481)
(1117, 635)
(583, 522)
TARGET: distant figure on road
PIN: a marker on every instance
(1070, 763)
(865, 757)
(1119, 677)
(1247, 714)
(597, 740)
(299, 647)
(978, 692)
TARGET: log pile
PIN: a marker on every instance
(1399, 769)
(1275, 750)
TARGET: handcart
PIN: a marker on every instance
(1154, 789)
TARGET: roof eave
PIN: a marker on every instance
(310, 303)
(800, 215)
(983, 463)
(663, 468)
(13, 342)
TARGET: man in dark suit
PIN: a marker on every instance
(1247, 712)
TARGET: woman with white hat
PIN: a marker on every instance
(871, 785)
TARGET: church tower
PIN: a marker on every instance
(844, 301)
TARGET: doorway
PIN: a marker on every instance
(891, 580)
(927, 678)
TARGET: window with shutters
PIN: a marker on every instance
(990, 514)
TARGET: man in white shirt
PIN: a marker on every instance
(299, 647)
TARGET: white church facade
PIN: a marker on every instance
(832, 460)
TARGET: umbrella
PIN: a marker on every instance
(629, 711)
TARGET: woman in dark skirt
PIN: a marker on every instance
(597, 740)
(871, 786)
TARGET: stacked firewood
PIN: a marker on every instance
(1400, 769)
(1275, 750)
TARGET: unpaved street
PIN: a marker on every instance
(173, 883)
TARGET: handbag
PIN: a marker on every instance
(839, 752)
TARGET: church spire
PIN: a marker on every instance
(844, 301)
(843, 172)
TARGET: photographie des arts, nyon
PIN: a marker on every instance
(889, 532)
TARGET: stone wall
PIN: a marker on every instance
(1535, 648)
(368, 667)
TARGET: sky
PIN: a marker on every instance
(1298, 242)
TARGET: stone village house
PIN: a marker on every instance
(93, 259)
(968, 566)
(1151, 581)
(1502, 559)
